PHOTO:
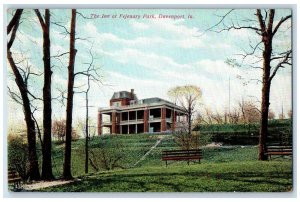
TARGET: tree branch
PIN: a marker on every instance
(14, 24)
(280, 64)
(279, 23)
(14, 21)
(37, 12)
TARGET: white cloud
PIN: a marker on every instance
(178, 36)
(138, 25)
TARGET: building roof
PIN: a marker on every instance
(153, 100)
(122, 94)
(148, 102)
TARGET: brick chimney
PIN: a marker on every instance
(132, 94)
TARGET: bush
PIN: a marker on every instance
(109, 156)
(17, 155)
(186, 141)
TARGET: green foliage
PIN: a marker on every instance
(17, 155)
(205, 139)
(109, 156)
(186, 141)
(245, 176)
(129, 148)
(280, 132)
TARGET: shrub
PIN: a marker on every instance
(17, 155)
(109, 156)
(186, 141)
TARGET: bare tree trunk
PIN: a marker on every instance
(33, 172)
(263, 132)
(47, 111)
(266, 83)
(87, 129)
(67, 161)
(190, 121)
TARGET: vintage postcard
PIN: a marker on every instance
(149, 100)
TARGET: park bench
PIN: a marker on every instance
(14, 179)
(279, 150)
(181, 155)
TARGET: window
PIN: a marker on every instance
(117, 104)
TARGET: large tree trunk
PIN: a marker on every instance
(67, 162)
(33, 172)
(47, 111)
(265, 103)
(266, 82)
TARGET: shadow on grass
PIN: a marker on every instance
(178, 182)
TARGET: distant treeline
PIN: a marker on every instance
(280, 132)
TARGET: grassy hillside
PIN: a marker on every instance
(135, 146)
(222, 169)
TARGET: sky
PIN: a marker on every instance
(143, 50)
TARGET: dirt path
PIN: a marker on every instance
(45, 184)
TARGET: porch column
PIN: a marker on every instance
(135, 128)
(113, 123)
(146, 119)
(99, 123)
(163, 125)
(174, 114)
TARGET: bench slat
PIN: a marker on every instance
(185, 150)
(279, 150)
(278, 153)
(14, 180)
(181, 155)
(181, 158)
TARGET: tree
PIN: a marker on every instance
(218, 117)
(47, 110)
(67, 160)
(12, 27)
(187, 97)
(281, 116)
(271, 115)
(234, 116)
(266, 28)
(290, 114)
(92, 75)
(59, 129)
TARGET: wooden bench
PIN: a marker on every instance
(14, 179)
(279, 150)
(181, 155)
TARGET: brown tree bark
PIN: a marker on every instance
(267, 36)
(86, 168)
(47, 109)
(67, 161)
(33, 172)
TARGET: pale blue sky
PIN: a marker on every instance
(153, 55)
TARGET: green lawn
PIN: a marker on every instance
(244, 176)
(225, 169)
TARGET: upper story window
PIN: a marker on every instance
(116, 104)
(132, 102)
